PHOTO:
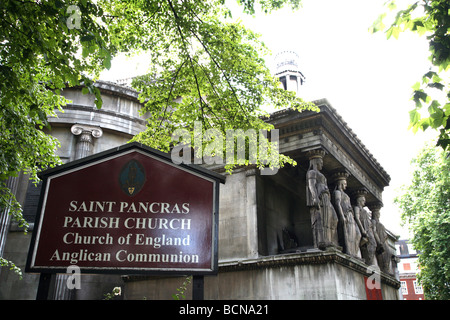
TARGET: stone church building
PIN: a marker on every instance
(307, 232)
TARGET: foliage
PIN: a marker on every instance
(430, 18)
(267, 5)
(45, 46)
(182, 289)
(39, 56)
(425, 206)
(116, 291)
(12, 266)
(202, 69)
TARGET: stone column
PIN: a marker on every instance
(251, 213)
(85, 143)
(5, 218)
(383, 252)
(364, 221)
(324, 220)
(349, 232)
(83, 148)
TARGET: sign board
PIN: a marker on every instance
(127, 210)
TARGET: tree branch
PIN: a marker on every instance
(224, 74)
(189, 56)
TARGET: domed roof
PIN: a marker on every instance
(286, 61)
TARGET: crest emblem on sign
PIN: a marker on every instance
(132, 178)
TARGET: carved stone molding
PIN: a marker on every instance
(80, 129)
(375, 206)
(316, 153)
(340, 175)
(312, 257)
(360, 193)
(308, 258)
(85, 141)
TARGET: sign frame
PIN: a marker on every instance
(47, 175)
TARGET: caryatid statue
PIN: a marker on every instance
(383, 253)
(364, 222)
(324, 219)
(350, 230)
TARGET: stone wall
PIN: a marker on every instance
(313, 275)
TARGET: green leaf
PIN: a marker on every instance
(416, 86)
(87, 38)
(98, 103)
(428, 75)
(107, 62)
(392, 6)
(378, 24)
(98, 97)
(447, 109)
(393, 31)
(434, 107)
(425, 123)
(420, 95)
(444, 143)
(414, 116)
(85, 52)
(436, 85)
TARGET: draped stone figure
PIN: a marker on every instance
(350, 230)
(368, 242)
(383, 253)
(324, 219)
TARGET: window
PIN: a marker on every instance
(31, 201)
(403, 248)
(406, 266)
(411, 249)
(417, 287)
(404, 287)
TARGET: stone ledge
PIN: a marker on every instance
(89, 109)
(311, 257)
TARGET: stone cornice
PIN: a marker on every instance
(314, 256)
(348, 132)
(114, 89)
(311, 257)
(78, 107)
(334, 134)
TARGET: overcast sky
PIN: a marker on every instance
(364, 76)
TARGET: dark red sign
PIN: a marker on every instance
(129, 210)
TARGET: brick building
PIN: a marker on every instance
(408, 268)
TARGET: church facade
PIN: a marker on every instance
(269, 232)
(312, 231)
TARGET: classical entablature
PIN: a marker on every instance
(120, 112)
(326, 130)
